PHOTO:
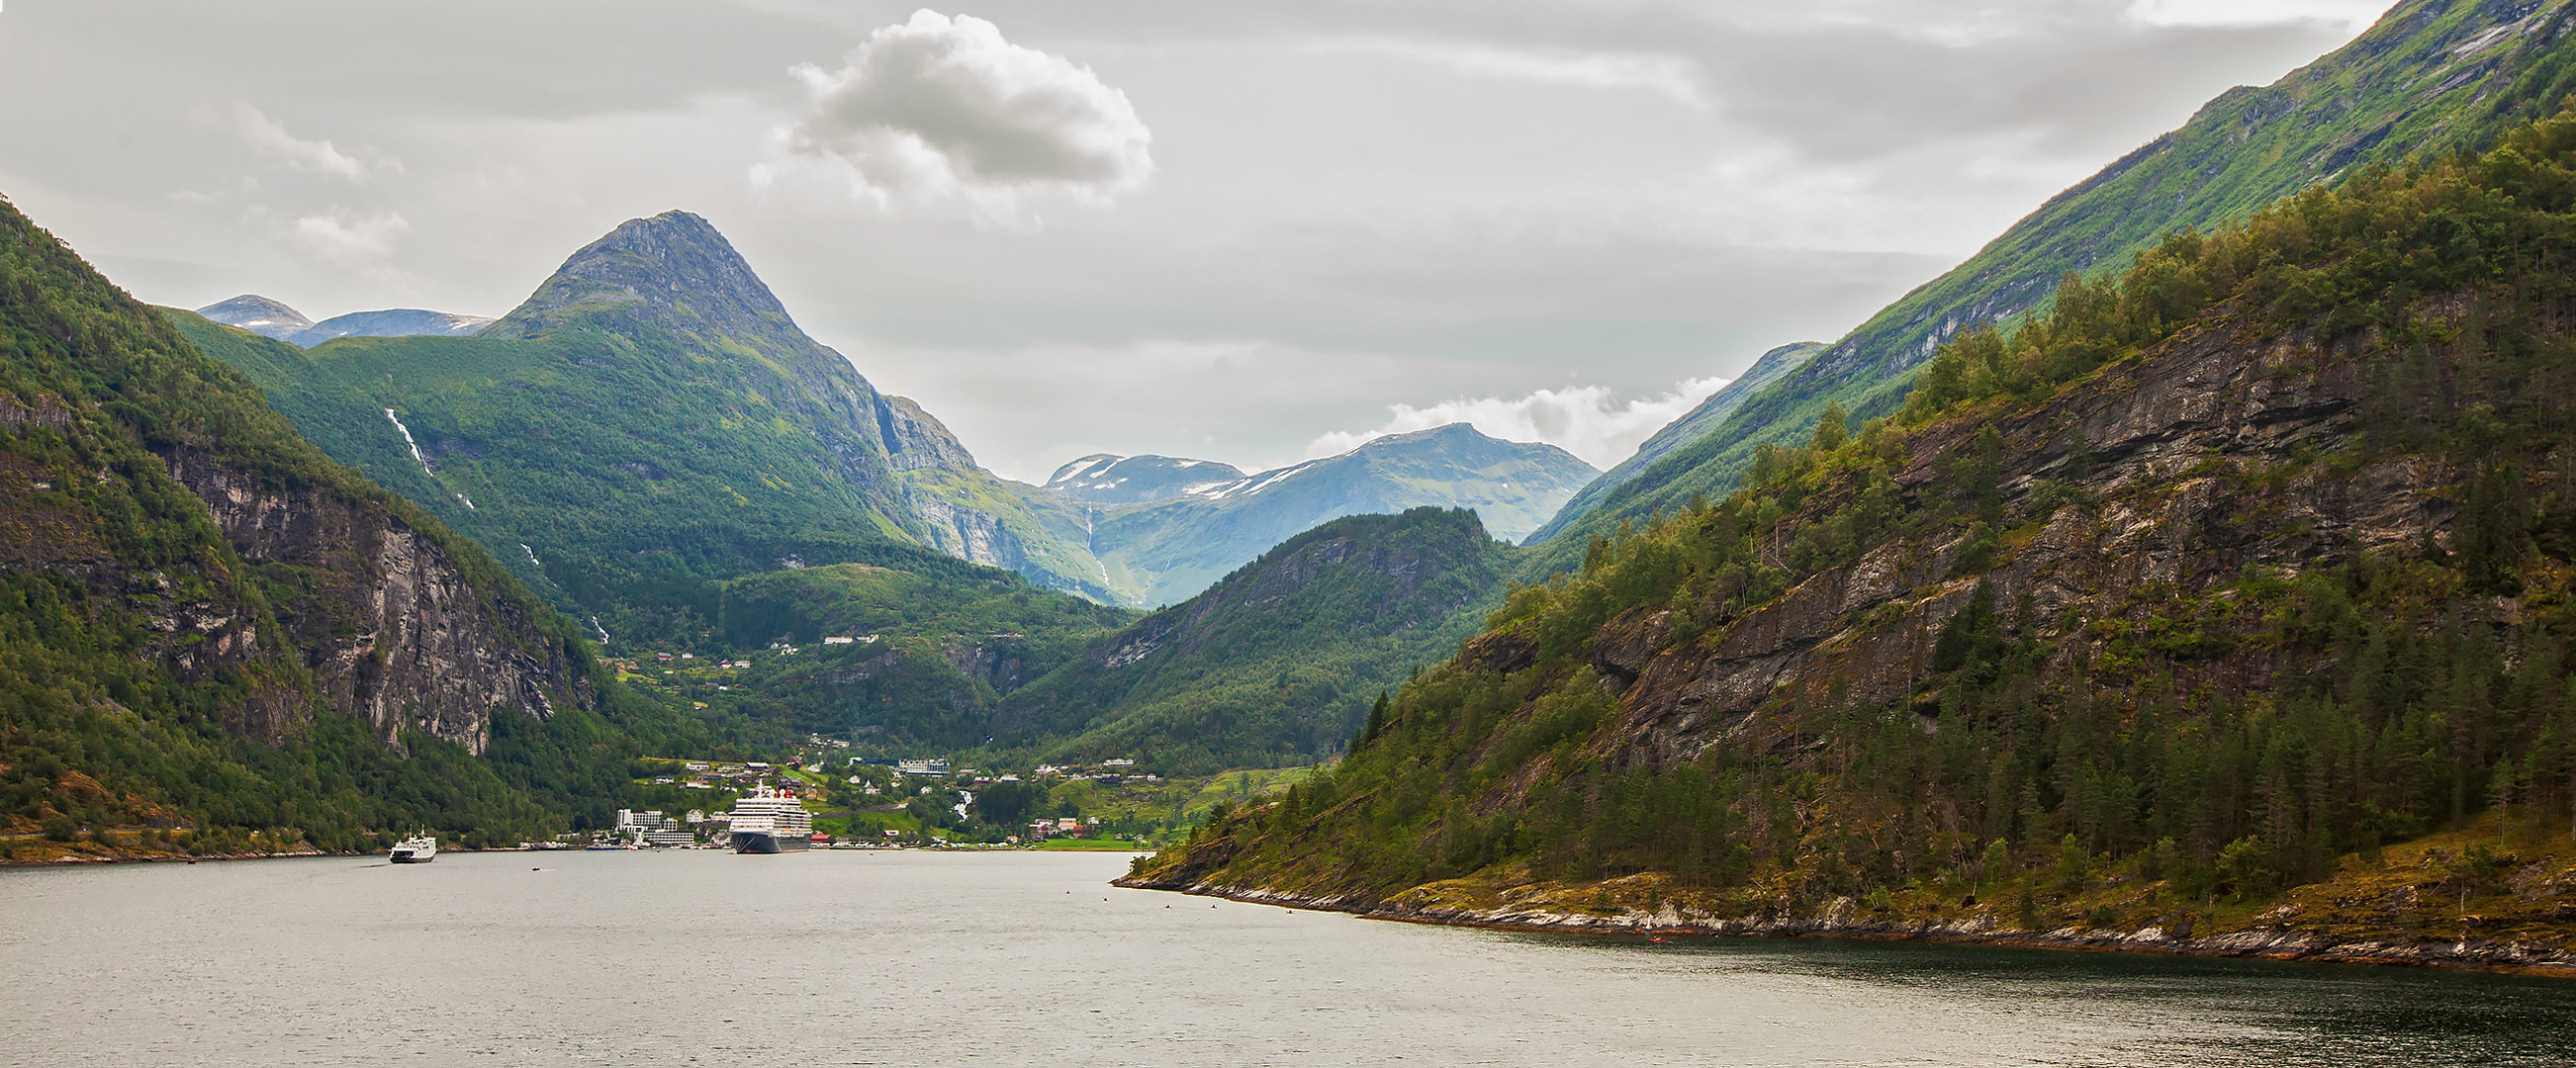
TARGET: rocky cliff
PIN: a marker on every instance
(218, 624)
(2230, 596)
(394, 631)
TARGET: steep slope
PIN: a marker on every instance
(1178, 530)
(648, 423)
(2433, 76)
(2212, 583)
(1696, 424)
(206, 624)
(1276, 664)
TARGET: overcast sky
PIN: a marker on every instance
(1245, 232)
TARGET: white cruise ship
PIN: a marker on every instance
(769, 821)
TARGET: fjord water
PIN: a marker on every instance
(679, 958)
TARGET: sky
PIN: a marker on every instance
(1244, 232)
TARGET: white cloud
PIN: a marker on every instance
(941, 109)
(2352, 15)
(1671, 76)
(1588, 421)
(349, 239)
(271, 138)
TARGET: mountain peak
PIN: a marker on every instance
(1463, 443)
(673, 271)
(1108, 478)
(259, 315)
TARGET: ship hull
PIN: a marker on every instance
(765, 842)
(409, 857)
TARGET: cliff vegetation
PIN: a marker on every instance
(2240, 571)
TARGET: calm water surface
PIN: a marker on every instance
(679, 958)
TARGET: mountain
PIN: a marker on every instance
(1277, 663)
(937, 644)
(271, 319)
(259, 315)
(1696, 424)
(1105, 478)
(393, 322)
(649, 424)
(2433, 76)
(2223, 607)
(1163, 529)
(216, 638)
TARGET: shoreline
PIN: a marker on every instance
(81, 859)
(2278, 944)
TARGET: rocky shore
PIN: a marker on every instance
(1838, 921)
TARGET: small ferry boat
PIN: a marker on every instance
(771, 821)
(417, 849)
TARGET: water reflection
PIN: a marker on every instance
(2151, 1009)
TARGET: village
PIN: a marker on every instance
(879, 802)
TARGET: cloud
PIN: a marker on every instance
(1588, 421)
(271, 138)
(2352, 15)
(348, 239)
(943, 109)
(1671, 76)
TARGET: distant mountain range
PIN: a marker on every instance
(1163, 528)
(1160, 529)
(1106, 478)
(269, 318)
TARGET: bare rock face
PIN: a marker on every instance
(2154, 479)
(391, 628)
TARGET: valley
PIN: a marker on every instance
(2189, 569)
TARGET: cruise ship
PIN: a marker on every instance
(770, 821)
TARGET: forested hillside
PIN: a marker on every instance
(214, 638)
(2243, 569)
(937, 644)
(2433, 76)
(1278, 662)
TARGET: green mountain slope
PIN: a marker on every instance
(2433, 76)
(647, 425)
(1172, 545)
(209, 631)
(1696, 424)
(1278, 663)
(2213, 582)
(938, 643)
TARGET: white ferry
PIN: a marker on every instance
(417, 849)
(771, 821)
